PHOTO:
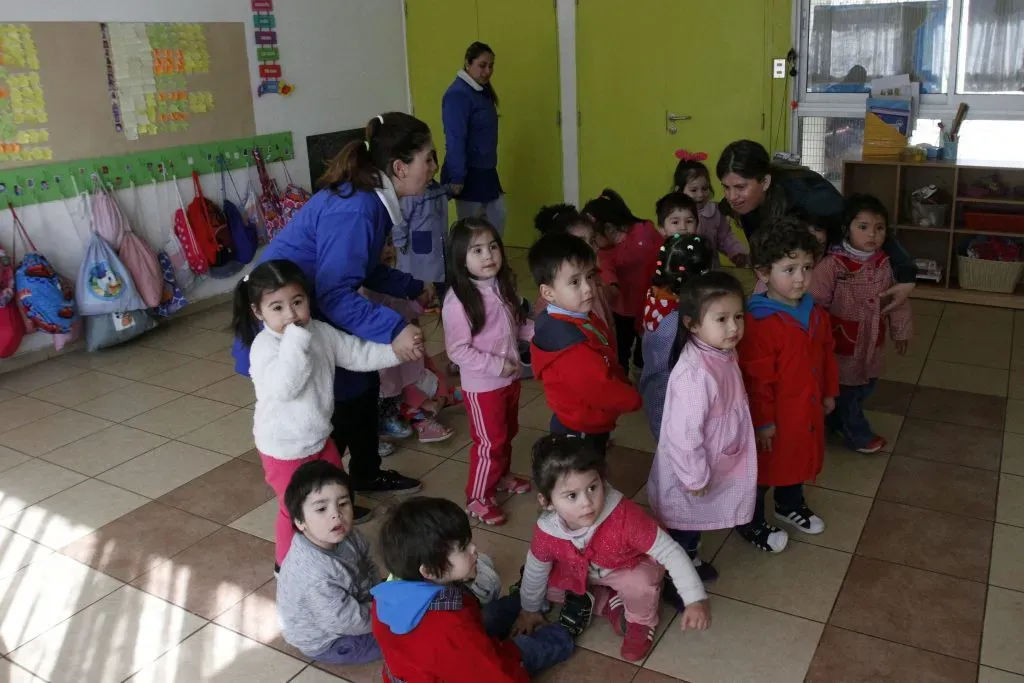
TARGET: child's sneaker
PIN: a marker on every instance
(765, 537)
(876, 444)
(393, 427)
(802, 519)
(487, 511)
(514, 588)
(384, 449)
(576, 613)
(706, 572)
(515, 485)
(615, 613)
(429, 430)
(637, 643)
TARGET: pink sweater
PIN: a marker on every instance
(707, 439)
(481, 358)
(715, 228)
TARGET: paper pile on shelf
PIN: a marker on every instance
(928, 269)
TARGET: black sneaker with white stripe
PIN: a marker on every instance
(576, 612)
(802, 519)
(764, 536)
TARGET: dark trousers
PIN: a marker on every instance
(786, 498)
(848, 417)
(599, 442)
(628, 342)
(689, 540)
(545, 647)
(354, 424)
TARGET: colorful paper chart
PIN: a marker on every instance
(23, 117)
(267, 52)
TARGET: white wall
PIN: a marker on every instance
(346, 59)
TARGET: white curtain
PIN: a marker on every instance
(994, 52)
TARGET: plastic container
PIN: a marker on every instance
(996, 222)
(929, 215)
(989, 276)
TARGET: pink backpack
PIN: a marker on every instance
(141, 261)
(107, 220)
(12, 326)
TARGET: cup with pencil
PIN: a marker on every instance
(950, 140)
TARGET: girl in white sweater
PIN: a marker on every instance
(292, 361)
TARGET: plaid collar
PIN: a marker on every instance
(448, 600)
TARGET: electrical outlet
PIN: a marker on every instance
(779, 68)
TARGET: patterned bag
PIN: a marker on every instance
(172, 300)
(270, 200)
(187, 239)
(12, 327)
(47, 300)
(104, 284)
(295, 196)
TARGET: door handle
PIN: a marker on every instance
(678, 117)
(670, 120)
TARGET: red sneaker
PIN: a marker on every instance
(514, 484)
(487, 511)
(615, 613)
(876, 444)
(638, 642)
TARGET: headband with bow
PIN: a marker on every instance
(684, 155)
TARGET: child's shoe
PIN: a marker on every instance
(802, 519)
(706, 572)
(393, 427)
(765, 537)
(637, 643)
(515, 485)
(487, 511)
(429, 430)
(576, 613)
(615, 613)
(876, 444)
(384, 449)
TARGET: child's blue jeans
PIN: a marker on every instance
(848, 418)
(547, 646)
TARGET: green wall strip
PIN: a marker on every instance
(50, 182)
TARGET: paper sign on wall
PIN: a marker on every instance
(267, 52)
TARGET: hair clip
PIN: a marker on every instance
(658, 263)
(380, 117)
(682, 269)
(245, 278)
(366, 144)
(683, 155)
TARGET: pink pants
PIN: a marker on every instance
(639, 588)
(493, 423)
(278, 473)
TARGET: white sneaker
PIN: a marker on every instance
(801, 519)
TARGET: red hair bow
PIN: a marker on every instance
(683, 155)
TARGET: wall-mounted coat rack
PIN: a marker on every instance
(50, 182)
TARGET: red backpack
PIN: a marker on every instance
(210, 227)
(194, 255)
(12, 327)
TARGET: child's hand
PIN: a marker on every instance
(509, 369)
(764, 438)
(740, 260)
(829, 404)
(426, 297)
(527, 622)
(408, 345)
(701, 492)
(901, 346)
(696, 616)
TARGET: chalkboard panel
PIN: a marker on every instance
(324, 147)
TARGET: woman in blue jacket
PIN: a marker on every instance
(469, 111)
(336, 239)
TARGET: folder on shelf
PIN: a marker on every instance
(886, 127)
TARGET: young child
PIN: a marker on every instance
(483, 320)
(420, 240)
(682, 257)
(849, 282)
(692, 179)
(628, 250)
(430, 624)
(789, 368)
(565, 218)
(291, 362)
(704, 474)
(323, 589)
(598, 552)
(572, 351)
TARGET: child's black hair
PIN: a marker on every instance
(859, 203)
(681, 258)
(423, 532)
(556, 455)
(697, 294)
(548, 254)
(307, 480)
(778, 239)
(559, 218)
(691, 169)
(459, 239)
(675, 201)
(265, 278)
(610, 209)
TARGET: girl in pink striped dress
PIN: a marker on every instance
(704, 474)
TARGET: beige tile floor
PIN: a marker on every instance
(136, 529)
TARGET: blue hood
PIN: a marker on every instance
(402, 604)
(760, 306)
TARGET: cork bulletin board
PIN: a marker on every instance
(75, 90)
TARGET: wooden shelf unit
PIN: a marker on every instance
(892, 181)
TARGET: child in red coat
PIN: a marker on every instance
(427, 617)
(789, 368)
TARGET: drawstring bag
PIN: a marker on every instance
(194, 254)
(104, 284)
(111, 329)
(140, 260)
(107, 220)
(270, 200)
(210, 227)
(251, 209)
(295, 196)
(47, 300)
(12, 327)
(243, 234)
(172, 299)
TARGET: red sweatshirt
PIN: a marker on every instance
(583, 383)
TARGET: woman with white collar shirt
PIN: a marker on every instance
(337, 239)
(469, 111)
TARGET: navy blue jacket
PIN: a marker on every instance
(471, 142)
(337, 243)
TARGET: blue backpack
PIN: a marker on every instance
(47, 299)
(242, 232)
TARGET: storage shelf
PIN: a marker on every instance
(994, 233)
(999, 202)
(931, 291)
(922, 228)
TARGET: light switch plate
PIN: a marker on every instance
(779, 68)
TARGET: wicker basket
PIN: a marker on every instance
(989, 276)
